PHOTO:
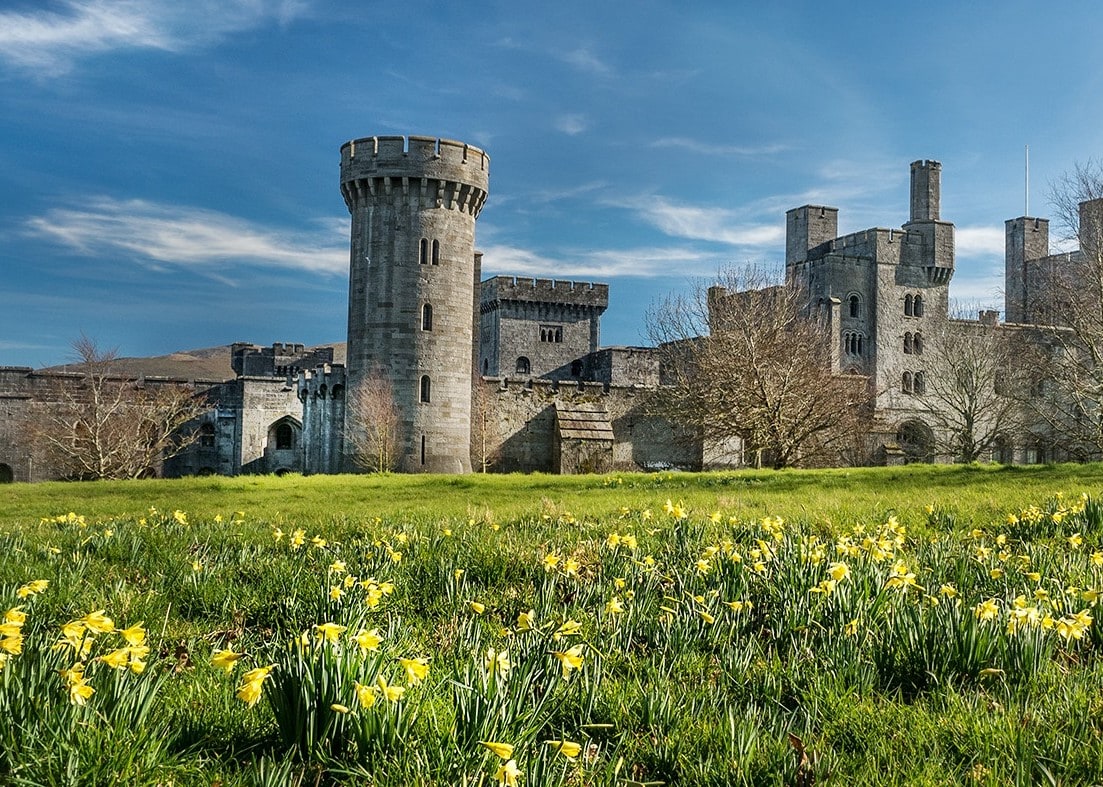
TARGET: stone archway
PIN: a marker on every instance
(7, 475)
(916, 441)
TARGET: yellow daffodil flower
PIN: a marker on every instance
(416, 669)
(501, 750)
(225, 660)
(368, 640)
(570, 659)
(568, 749)
(508, 773)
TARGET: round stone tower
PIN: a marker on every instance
(412, 287)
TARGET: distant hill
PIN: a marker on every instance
(208, 363)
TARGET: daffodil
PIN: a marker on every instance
(416, 669)
(134, 635)
(390, 692)
(838, 571)
(15, 616)
(116, 659)
(368, 640)
(525, 620)
(508, 773)
(252, 683)
(498, 661)
(12, 644)
(98, 622)
(330, 632)
(568, 628)
(477, 607)
(32, 588)
(568, 749)
(502, 750)
(225, 660)
(570, 659)
(364, 694)
(613, 606)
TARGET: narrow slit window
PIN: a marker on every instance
(426, 389)
(423, 252)
(436, 252)
(427, 317)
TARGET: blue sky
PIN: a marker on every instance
(168, 168)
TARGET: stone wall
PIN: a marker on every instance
(526, 426)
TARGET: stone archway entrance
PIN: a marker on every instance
(916, 441)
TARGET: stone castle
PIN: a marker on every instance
(422, 321)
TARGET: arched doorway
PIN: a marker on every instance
(916, 440)
(7, 475)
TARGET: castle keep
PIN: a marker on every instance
(510, 371)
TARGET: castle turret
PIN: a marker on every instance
(806, 228)
(414, 202)
(1025, 239)
(926, 190)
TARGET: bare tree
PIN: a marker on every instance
(373, 424)
(747, 358)
(1066, 395)
(98, 424)
(486, 438)
(968, 386)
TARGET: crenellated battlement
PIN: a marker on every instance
(437, 172)
(576, 293)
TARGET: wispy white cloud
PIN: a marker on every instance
(979, 240)
(717, 225)
(50, 42)
(572, 123)
(713, 149)
(585, 60)
(599, 264)
(163, 235)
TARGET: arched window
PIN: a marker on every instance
(338, 392)
(909, 305)
(425, 389)
(206, 436)
(423, 252)
(436, 252)
(427, 317)
(855, 306)
(285, 437)
(918, 343)
(909, 344)
(920, 383)
(576, 368)
(906, 382)
(917, 307)
(859, 348)
(523, 365)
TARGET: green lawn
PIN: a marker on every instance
(921, 625)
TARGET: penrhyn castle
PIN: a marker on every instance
(509, 373)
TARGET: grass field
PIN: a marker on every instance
(921, 625)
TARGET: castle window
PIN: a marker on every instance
(551, 333)
(423, 252)
(523, 365)
(918, 342)
(425, 389)
(423, 449)
(206, 436)
(906, 383)
(285, 437)
(436, 252)
(917, 307)
(338, 392)
(920, 383)
(427, 317)
(855, 306)
(909, 305)
(576, 368)
(486, 366)
(909, 344)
